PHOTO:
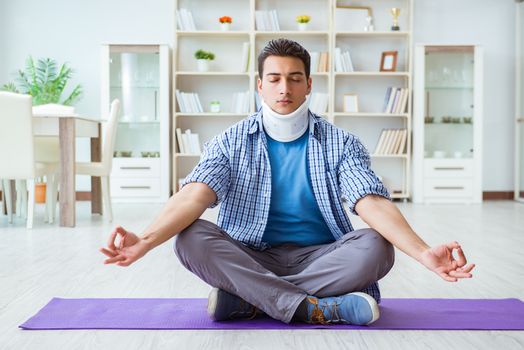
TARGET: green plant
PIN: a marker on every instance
(44, 82)
(204, 55)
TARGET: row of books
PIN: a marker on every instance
(396, 100)
(318, 102)
(319, 62)
(188, 102)
(188, 143)
(267, 20)
(343, 62)
(240, 102)
(391, 141)
(184, 20)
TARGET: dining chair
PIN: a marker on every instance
(17, 154)
(103, 169)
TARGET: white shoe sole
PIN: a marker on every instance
(212, 300)
(372, 303)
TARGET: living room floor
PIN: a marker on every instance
(51, 261)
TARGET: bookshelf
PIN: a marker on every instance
(323, 34)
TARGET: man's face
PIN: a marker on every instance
(284, 85)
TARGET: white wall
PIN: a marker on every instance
(72, 31)
(490, 23)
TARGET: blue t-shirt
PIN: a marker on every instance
(294, 215)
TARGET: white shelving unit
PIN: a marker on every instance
(225, 77)
(139, 76)
(447, 152)
(519, 105)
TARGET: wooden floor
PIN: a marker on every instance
(61, 262)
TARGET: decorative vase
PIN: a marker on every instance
(203, 65)
(302, 26)
(214, 107)
(225, 26)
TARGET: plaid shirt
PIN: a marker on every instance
(235, 164)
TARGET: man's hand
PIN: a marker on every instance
(440, 260)
(129, 249)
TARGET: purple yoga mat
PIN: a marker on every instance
(464, 314)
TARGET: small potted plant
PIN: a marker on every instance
(225, 23)
(302, 21)
(203, 58)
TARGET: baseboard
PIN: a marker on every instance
(498, 195)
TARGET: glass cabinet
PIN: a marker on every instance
(138, 75)
(447, 124)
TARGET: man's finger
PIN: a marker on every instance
(125, 262)
(114, 259)
(466, 268)
(461, 257)
(453, 245)
(111, 241)
(108, 252)
(459, 274)
(448, 278)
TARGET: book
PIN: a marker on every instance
(180, 100)
(396, 142)
(386, 99)
(180, 142)
(314, 61)
(187, 142)
(403, 140)
(194, 140)
(380, 142)
(338, 60)
(244, 66)
(349, 63)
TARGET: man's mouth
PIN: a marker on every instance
(284, 102)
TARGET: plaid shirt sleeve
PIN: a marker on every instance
(356, 178)
(213, 169)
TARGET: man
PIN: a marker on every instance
(284, 244)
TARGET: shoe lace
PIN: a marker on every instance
(318, 316)
(245, 308)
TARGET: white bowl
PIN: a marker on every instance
(439, 154)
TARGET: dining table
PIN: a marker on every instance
(68, 127)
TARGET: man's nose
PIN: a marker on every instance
(284, 87)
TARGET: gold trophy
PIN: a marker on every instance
(395, 12)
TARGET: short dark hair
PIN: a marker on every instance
(284, 47)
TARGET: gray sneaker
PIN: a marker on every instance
(222, 306)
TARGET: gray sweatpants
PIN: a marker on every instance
(278, 279)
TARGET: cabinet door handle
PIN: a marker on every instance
(449, 168)
(135, 187)
(135, 167)
(448, 187)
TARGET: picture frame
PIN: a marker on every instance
(388, 61)
(352, 18)
(350, 103)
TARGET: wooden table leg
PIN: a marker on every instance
(67, 172)
(96, 187)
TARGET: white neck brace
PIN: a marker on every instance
(285, 127)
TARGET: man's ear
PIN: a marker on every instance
(259, 85)
(309, 85)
